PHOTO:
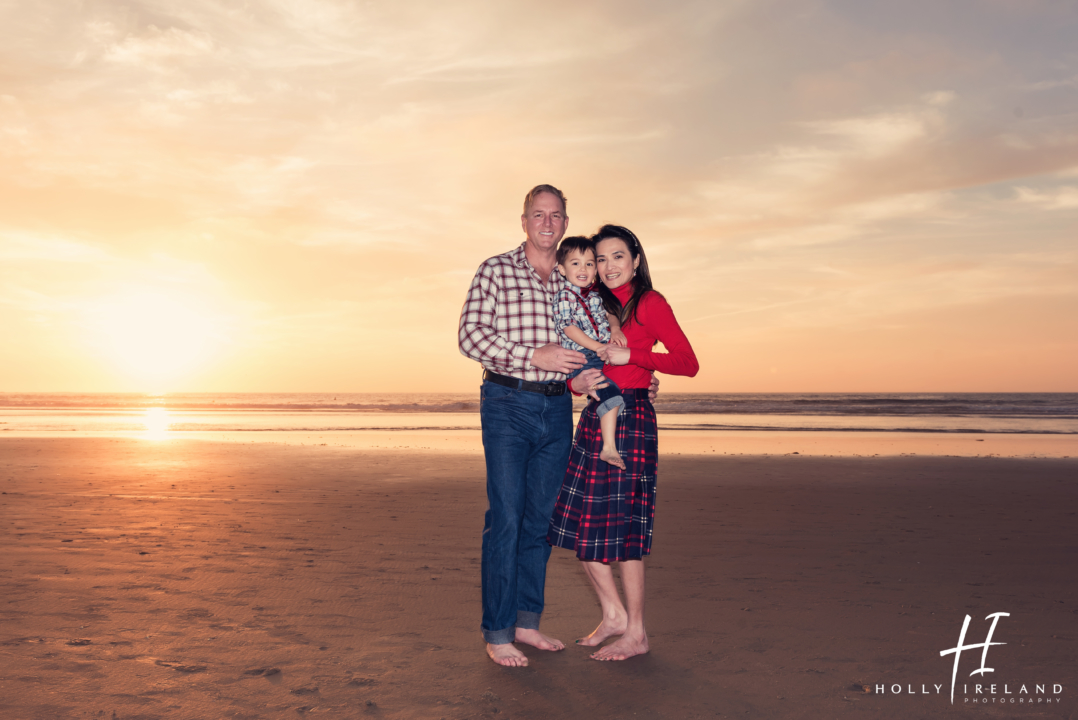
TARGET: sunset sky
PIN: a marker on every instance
(293, 196)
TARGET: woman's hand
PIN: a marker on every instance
(617, 355)
(587, 382)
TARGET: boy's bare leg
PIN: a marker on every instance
(609, 425)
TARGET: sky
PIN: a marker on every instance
(835, 196)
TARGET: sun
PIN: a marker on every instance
(154, 338)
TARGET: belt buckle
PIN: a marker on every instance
(551, 387)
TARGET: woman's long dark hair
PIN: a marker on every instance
(641, 280)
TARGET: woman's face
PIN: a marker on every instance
(614, 262)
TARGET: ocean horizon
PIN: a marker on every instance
(1013, 413)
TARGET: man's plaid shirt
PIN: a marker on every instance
(507, 315)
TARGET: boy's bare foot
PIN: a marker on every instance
(611, 456)
(506, 654)
(608, 628)
(622, 649)
(538, 640)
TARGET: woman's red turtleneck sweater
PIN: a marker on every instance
(654, 321)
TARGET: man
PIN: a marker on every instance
(526, 413)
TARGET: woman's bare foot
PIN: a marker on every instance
(538, 640)
(610, 454)
(622, 649)
(608, 628)
(506, 654)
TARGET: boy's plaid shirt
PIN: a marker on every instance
(506, 316)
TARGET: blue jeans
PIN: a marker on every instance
(526, 441)
(610, 396)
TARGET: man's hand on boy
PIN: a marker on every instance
(582, 383)
(599, 383)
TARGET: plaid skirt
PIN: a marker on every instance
(605, 514)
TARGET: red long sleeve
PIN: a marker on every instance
(654, 321)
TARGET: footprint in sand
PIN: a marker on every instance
(178, 667)
(362, 682)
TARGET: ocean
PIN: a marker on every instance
(45, 414)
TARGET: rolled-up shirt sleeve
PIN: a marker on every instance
(478, 337)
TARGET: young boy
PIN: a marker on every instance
(584, 325)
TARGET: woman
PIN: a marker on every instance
(603, 513)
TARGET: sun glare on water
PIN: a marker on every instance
(157, 422)
(154, 339)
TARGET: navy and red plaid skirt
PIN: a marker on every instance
(605, 514)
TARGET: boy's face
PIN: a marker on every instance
(579, 268)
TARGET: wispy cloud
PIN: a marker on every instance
(1062, 198)
(313, 166)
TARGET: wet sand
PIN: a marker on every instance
(191, 579)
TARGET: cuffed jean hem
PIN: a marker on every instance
(528, 620)
(500, 637)
(608, 405)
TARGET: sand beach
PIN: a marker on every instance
(199, 579)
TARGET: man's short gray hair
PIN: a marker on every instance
(539, 190)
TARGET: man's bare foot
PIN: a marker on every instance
(611, 456)
(506, 654)
(608, 628)
(538, 640)
(622, 649)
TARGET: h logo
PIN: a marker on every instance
(984, 654)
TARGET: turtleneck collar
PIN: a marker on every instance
(623, 292)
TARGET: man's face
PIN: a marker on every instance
(545, 221)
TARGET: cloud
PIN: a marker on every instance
(16, 245)
(877, 135)
(1063, 198)
(154, 45)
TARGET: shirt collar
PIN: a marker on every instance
(579, 291)
(521, 260)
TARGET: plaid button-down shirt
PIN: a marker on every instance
(507, 315)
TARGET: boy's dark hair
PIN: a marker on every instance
(576, 243)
